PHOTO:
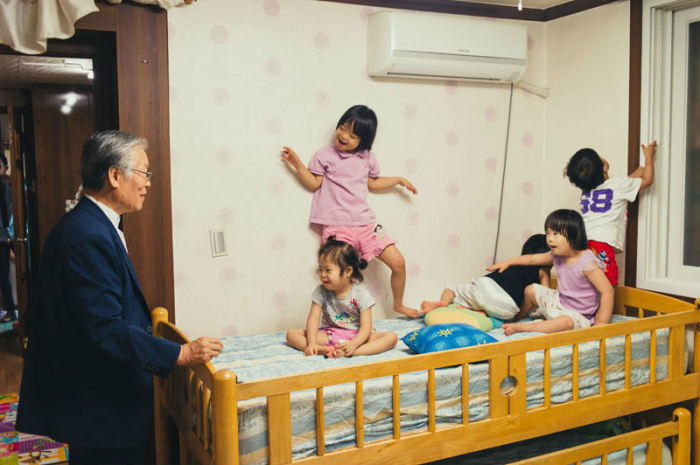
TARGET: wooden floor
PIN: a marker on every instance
(11, 362)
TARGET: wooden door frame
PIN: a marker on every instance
(141, 34)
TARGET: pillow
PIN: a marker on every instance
(454, 314)
(444, 337)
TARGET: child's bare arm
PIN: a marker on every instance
(312, 322)
(545, 278)
(646, 172)
(380, 183)
(528, 259)
(310, 180)
(348, 348)
(607, 295)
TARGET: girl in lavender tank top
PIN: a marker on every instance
(584, 295)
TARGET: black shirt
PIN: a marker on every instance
(515, 279)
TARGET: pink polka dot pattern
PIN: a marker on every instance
(171, 31)
(225, 216)
(219, 34)
(322, 98)
(275, 186)
(274, 126)
(452, 190)
(526, 235)
(366, 12)
(412, 165)
(451, 87)
(173, 95)
(271, 7)
(273, 67)
(413, 270)
(530, 43)
(491, 164)
(451, 138)
(410, 111)
(180, 280)
(278, 242)
(527, 187)
(221, 96)
(453, 241)
(321, 41)
(227, 275)
(223, 156)
(229, 331)
(412, 218)
(490, 113)
(280, 299)
(492, 214)
(527, 139)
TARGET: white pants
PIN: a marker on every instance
(549, 307)
(485, 294)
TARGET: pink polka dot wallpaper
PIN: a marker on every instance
(249, 78)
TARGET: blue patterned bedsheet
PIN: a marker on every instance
(264, 356)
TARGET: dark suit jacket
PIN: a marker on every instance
(90, 358)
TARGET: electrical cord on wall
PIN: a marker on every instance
(503, 177)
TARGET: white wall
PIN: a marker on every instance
(587, 70)
(249, 76)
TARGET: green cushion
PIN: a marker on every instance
(453, 314)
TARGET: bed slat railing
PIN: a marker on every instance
(518, 397)
(465, 393)
(279, 429)
(498, 371)
(678, 429)
(396, 406)
(602, 367)
(320, 423)
(359, 415)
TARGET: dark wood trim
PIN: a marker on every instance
(454, 7)
(569, 8)
(485, 10)
(633, 137)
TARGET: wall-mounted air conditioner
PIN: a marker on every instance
(445, 47)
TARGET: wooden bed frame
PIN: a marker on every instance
(197, 408)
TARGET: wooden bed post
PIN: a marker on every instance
(225, 418)
(165, 430)
(681, 443)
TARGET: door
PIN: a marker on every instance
(18, 183)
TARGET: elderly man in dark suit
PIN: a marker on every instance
(91, 357)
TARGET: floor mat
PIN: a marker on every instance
(20, 448)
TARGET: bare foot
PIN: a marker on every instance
(512, 328)
(427, 306)
(408, 311)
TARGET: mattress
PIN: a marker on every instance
(263, 356)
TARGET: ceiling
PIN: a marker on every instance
(536, 4)
(20, 70)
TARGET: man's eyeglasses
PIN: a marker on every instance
(148, 174)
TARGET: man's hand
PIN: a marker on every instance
(199, 351)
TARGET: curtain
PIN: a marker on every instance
(26, 25)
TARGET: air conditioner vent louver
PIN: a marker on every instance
(435, 46)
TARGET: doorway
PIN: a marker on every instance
(49, 105)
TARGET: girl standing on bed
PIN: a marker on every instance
(343, 308)
(340, 176)
(584, 295)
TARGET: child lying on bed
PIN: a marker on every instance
(584, 296)
(343, 305)
(499, 295)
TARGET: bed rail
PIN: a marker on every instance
(653, 436)
(189, 395)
